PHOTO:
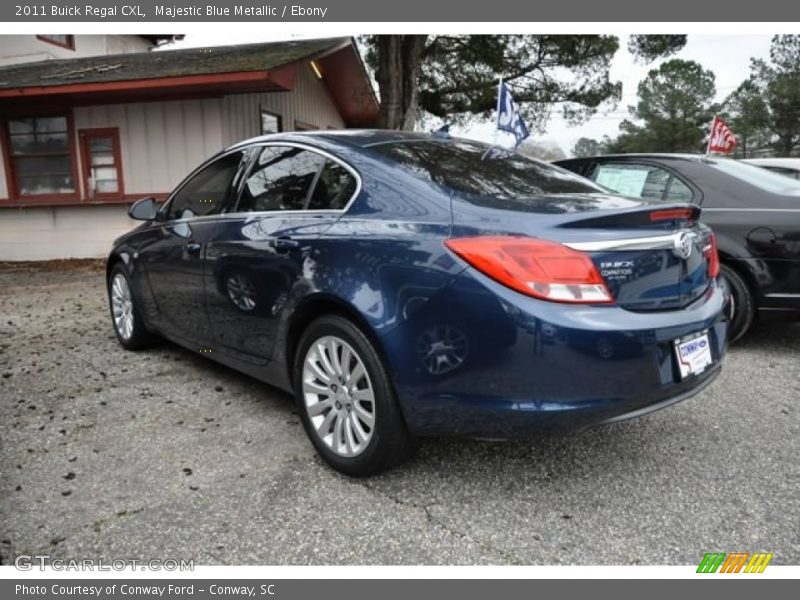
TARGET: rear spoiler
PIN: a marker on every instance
(669, 216)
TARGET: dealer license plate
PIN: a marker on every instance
(693, 354)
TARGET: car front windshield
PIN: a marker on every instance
(480, 170)
(756, 176)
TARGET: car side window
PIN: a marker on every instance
(677, 191)
(334, 188)
(206, 191)
(281, 179)
(642, 181)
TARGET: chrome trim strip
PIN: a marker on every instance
(265, 213)
(253, 214)
(327, 155)
(658, 242)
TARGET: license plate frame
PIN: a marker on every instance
(693, 354)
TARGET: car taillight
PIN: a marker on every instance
(673, 214)
(712, 256)
(538, 268)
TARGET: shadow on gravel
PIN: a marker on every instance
(775, 336)
(548, 456)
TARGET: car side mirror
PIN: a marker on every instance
(145, 209)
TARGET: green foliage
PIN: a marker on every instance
(675, 105)
(458, 75)
(746, 112)
(454, 77)
(779, 84)
(674, 108)
(647, 48)
(587, 147)
(569, 73)
(543, 150)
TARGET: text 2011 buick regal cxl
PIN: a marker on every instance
(404, 285)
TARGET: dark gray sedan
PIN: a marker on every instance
(754, 212)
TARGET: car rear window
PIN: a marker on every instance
(756, 176)
(481, 171)
(794, 173)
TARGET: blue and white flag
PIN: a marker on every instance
(508, 118)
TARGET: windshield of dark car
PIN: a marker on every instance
(756, 176)
(479, 170)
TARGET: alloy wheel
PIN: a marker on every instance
(339, 396)
(122, 306)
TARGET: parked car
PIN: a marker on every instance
(755, 214)
(403, 285)
(785, 166)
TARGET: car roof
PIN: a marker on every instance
(361, 138)
(774, 162)
(662, 155)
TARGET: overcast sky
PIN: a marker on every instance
(728, 56)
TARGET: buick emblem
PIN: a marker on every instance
(683, 245)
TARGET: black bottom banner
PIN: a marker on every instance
(388, 589)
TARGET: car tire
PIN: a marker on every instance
(743, 306)
(125, 316)
(349, 411)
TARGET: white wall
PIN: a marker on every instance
(61, 232)
(309, 102)
(28, 48)
(160, 142)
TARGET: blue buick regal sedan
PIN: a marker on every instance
(406, 285)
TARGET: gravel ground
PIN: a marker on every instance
(163, 454)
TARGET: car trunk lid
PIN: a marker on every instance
(651, 256)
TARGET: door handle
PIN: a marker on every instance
(283, 243)
(193, 248)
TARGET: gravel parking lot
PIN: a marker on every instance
(163, 454)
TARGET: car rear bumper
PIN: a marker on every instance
(526, 366)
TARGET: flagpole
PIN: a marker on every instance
(497, 118)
